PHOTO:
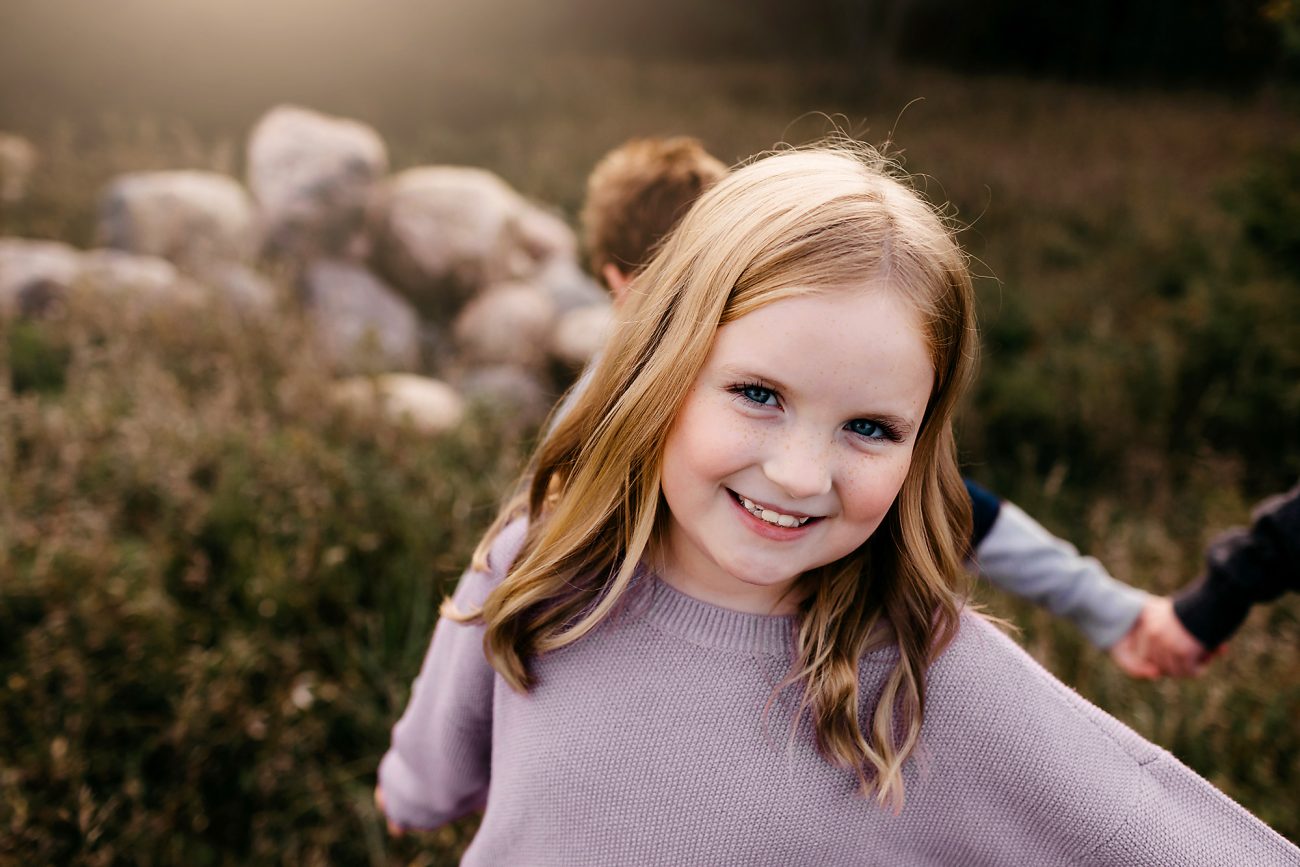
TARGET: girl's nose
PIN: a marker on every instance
(799, 466)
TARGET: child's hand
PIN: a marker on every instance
(394, 830)
(1130, 660)
(1159, 645)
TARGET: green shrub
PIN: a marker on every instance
(37, 358)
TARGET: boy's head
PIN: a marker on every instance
(635, 195)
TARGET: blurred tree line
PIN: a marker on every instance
(61, 49)
(1217, 43)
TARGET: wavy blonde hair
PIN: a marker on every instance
(786, 224)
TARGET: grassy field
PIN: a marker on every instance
(214, 590)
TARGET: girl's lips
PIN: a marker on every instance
(770, 507)
(770, 531)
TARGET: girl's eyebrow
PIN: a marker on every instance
(900, 425)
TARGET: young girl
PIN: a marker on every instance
(724, 621)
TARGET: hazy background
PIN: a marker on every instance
(219, 62)
(214, 590)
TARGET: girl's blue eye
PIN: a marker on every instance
(759, 394)
(869, 429)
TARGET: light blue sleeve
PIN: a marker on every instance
(1022, 557)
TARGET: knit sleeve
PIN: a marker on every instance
(1027, 771)
(438, 766)
(1180, 820)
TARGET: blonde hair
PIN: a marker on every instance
(637, 193)
(786, 224)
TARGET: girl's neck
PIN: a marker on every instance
(735, 596)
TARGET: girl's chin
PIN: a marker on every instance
(759, 580)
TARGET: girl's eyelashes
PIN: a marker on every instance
(874, 430)
(756, 393)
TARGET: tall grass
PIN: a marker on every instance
(215, 589)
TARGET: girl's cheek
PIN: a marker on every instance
(710, 438)
(871, 486)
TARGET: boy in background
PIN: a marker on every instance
(635, 195)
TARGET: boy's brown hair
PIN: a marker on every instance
(637, 193)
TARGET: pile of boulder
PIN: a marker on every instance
(423, 288)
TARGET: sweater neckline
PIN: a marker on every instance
(711, 625)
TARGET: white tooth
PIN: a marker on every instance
(789, 521)
(749, 504)
(770, 516)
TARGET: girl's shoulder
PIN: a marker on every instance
(489, 569)
(505, 547)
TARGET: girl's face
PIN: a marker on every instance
(792, 444)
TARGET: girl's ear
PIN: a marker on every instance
(616, 279)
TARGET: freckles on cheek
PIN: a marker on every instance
(872, 489)
(702, 443)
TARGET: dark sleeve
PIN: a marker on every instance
(1243, 567)
(985, 506)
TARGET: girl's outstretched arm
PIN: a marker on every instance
(1180, 820)
(437, 768)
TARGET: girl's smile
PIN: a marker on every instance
(771, 514)
(791, 446)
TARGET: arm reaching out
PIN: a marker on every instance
(1019, 555)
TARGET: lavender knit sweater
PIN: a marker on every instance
(645, 743)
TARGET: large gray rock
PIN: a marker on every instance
(18, 160)
(581, 333)
(360, 323)
(246, 290)
(568, 285)
(545, 235)
(507, 391)
(508, 324)
(440, 233)
(311, 175)
(428, 405)
(35, 276)
(138, 284)
(190, 218)
(39, 276)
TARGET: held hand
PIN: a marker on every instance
(1130, 660)
(1159, 645)
(394, 830)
